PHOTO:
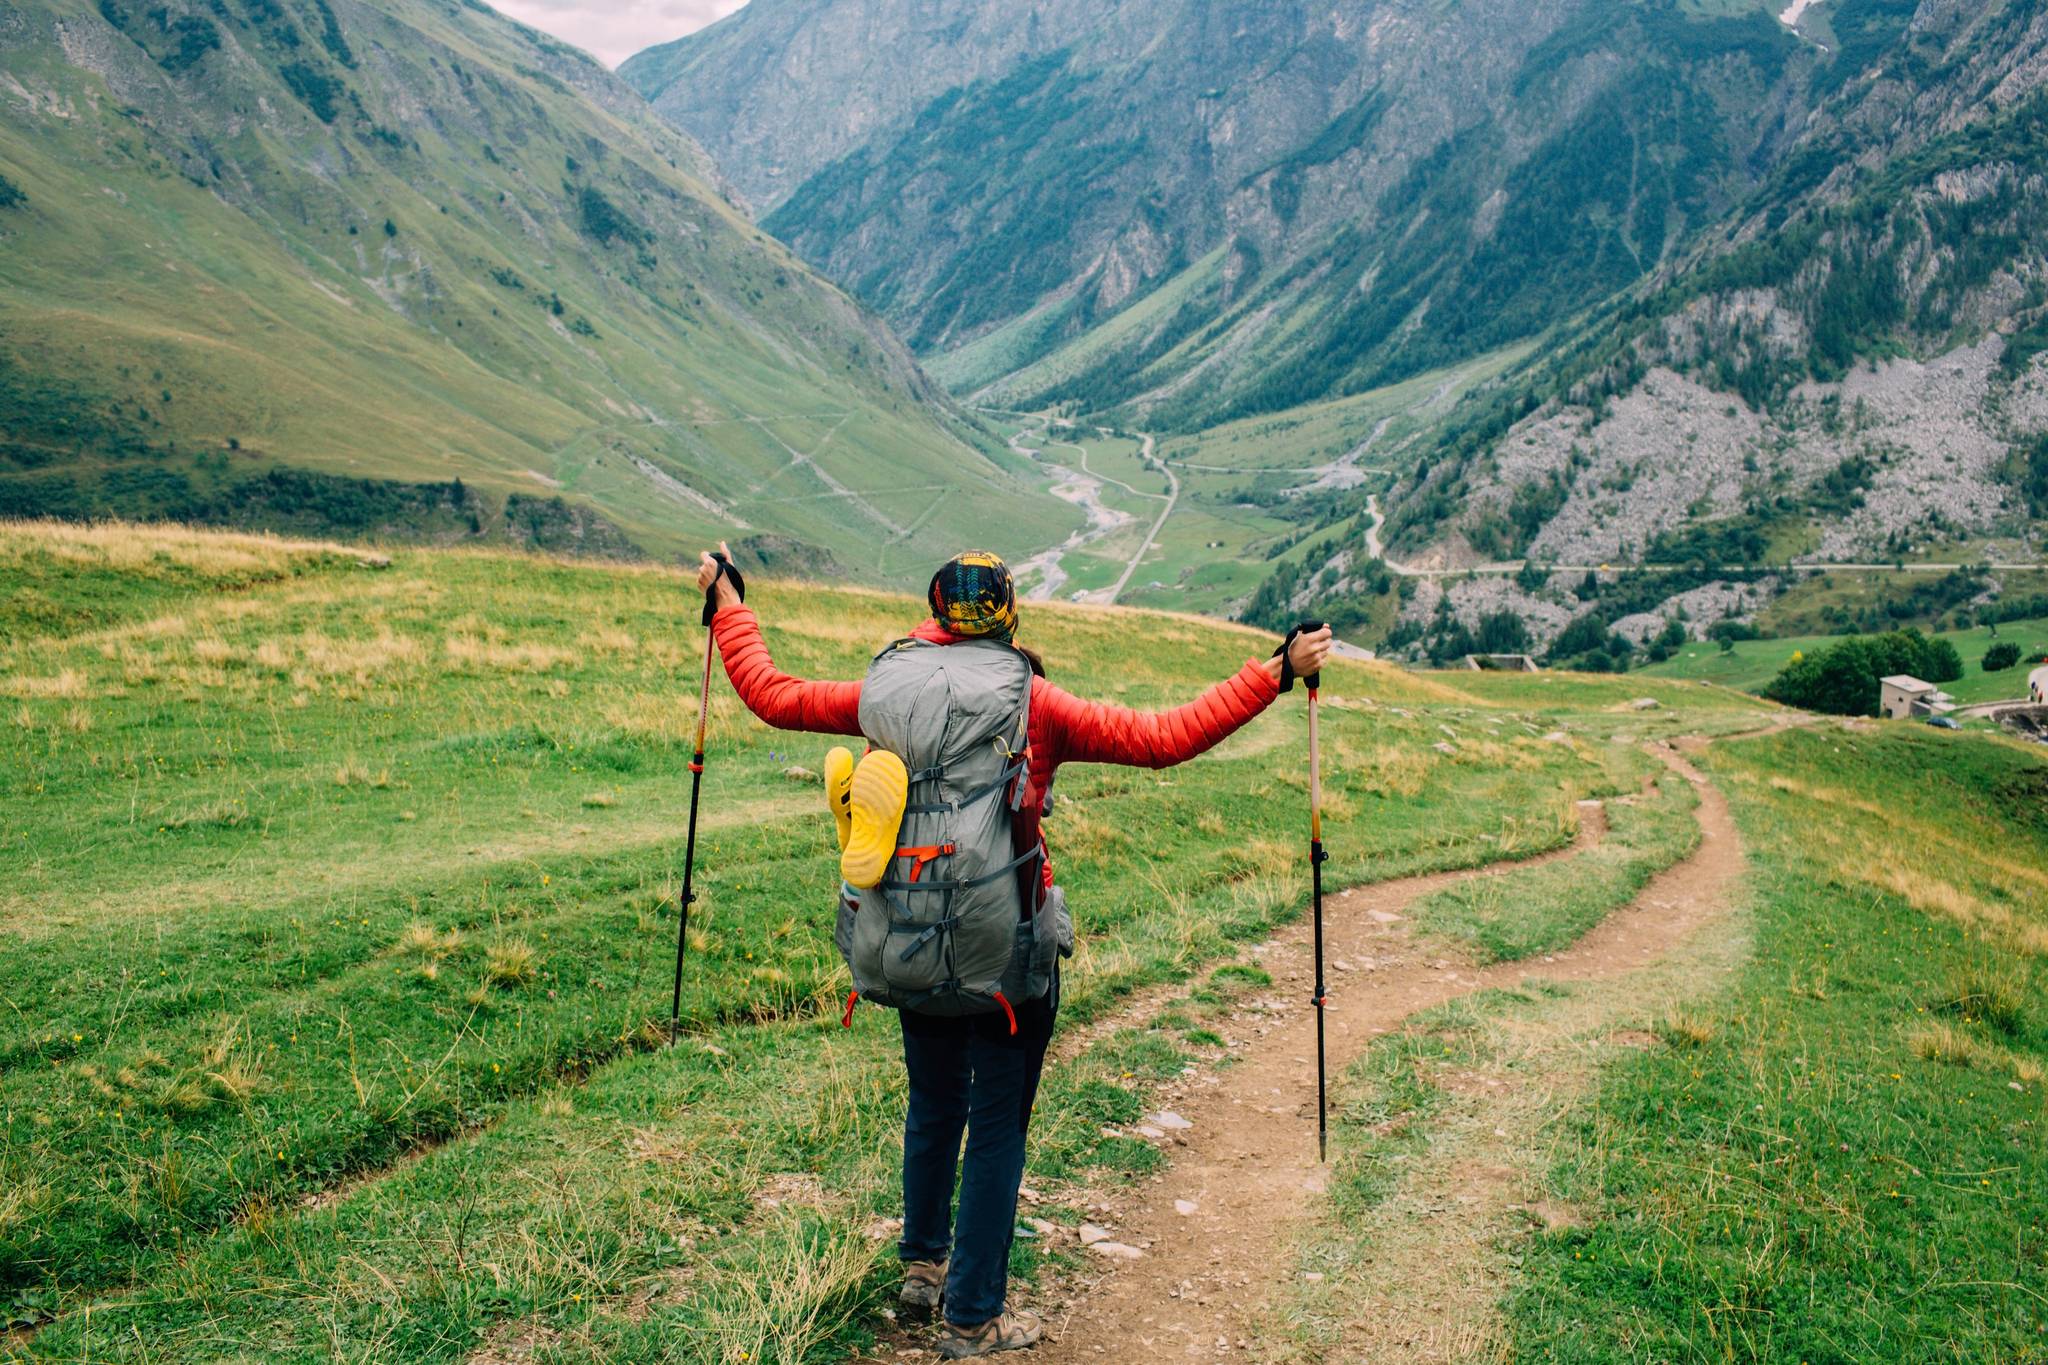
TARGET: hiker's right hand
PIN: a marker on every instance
(726, 595)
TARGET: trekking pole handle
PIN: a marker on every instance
(726, 569)
(1285, 654)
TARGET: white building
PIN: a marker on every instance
(1901, 696)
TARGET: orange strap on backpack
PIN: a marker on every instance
(923, 854)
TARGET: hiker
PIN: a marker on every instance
(974, 1056)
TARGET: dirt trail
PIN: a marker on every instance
(1216, 1225)
(1387, 898)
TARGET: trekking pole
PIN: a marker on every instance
(1316, 858)
(688, 896)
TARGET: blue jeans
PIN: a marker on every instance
(968, 1076)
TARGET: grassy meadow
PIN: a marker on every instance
(339, 908)
(1843, 1156)
(1751, 664)
(1818, 1135)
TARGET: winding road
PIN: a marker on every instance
(1083, 488)
(1152, 536)
(1375, 548)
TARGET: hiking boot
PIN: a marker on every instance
(1011, 1332)
(924, 1284)
(881, 785)
(839, 790)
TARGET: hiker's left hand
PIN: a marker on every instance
(707, 574)
(1311, 650)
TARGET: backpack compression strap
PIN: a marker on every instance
(1011, 773)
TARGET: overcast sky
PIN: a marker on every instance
(613, 30)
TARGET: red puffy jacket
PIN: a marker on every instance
(1063, 729)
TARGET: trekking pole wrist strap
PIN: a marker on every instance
(1285, 654)
(726, 569)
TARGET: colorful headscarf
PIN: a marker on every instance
(972, 595)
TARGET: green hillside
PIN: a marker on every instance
(386, 247)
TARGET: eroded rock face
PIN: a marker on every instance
(1938, 444)
(1933, 434)
(2026, 403)
(1671, 450)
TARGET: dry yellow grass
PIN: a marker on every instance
(609, 640)
(526, 657)
(1951, 1045)
(1385, 680)
(359, 659)
(66, 684)
(232, 1065)
(424, 940)
(511, 963)
(1684, 1028)
(1257, 857)
(1994, 993)
(1922, 833)
(1890, 869)
(129, 545)
(1082, 837)
(653, 715)
(1390, 770)
(24, 1199)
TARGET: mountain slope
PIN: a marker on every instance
(1334, 197)
(1877, 307)
(409, 267)
(1847, 369)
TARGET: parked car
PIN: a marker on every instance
(1944, 722)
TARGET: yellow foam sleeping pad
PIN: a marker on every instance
(880, 786)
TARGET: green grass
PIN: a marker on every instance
(312, 866)
(1815, 1134)
(1533, 910)
(1812, 1171)
(1317, 433)
(1753, 663)
(1828, 603)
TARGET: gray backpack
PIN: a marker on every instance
(956, 925)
